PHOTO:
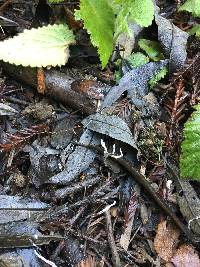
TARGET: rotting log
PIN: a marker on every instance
(81, 95)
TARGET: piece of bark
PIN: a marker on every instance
(189, 204)
(77, 94)
(17, 241)
(64, 192)
(78, 161)
(14, 208)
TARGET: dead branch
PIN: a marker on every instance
(61, 87)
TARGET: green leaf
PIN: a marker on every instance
(114, 6)
(152, 48)
(134, 60)
(190, 147)
(192, 6)
(137, 59)
(195, 30)
(160, 75)
(138, 11)
(121, 23)
(141, 12)
(98, 19)
(45, 46)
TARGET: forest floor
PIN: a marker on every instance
(89, 157)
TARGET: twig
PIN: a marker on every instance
(5, 5)
(87, 238)
(64, 192)
(65, 208)
(60, 86)
(77, 215)
(16, 100)
(111, 240)
(148, 188)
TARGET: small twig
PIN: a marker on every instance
(5, 5)
(77, 215)
(111, 240)
(140, 179)
(87, 238)
(64, 192)
(16, 100)
(98, 196)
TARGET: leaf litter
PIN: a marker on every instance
(62, 191)
(173, 41)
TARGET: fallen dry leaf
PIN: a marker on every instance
(166, 240)
(186, 256)
(173, 41)
(130, 215)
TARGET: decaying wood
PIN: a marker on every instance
(61, 87)
(14, 241)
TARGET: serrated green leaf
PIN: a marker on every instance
(121, 23)
(190, 147)
(152, 48)
(192, 6)
(142, 12)
(160, 75)
(138, 11)
(98, 19)
(45, 46)
(195, 30)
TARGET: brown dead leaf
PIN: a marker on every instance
(166, 240)
(129, 215)
(186, 256)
